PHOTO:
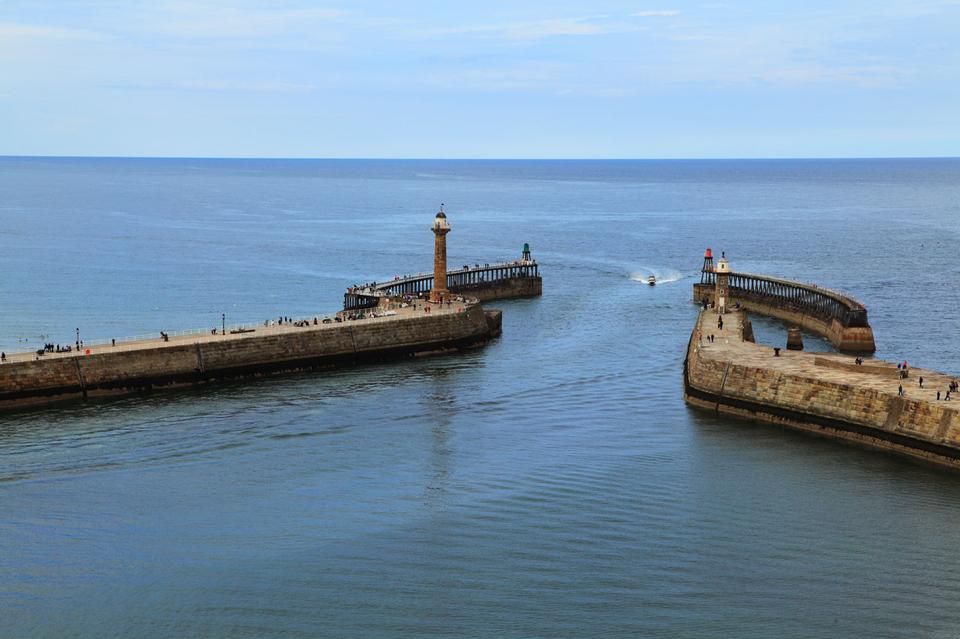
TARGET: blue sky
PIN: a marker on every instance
(556, 79)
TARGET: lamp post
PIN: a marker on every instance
(223, 326)
(78, 339)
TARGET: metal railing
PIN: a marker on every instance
(813, 300)
(458, 281)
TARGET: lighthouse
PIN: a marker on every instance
(722, 295)
(440, 229)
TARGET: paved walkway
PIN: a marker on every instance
(875, 374)
(259, 331)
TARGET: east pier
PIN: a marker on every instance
(870, 402)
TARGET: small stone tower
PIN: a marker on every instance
(525, 258)
(706, 273)
(440, 228)
(722, 295)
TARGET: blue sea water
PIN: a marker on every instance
(551, 484)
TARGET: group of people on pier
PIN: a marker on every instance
(49, 348)
(952, 388)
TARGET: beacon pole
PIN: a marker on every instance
(223, 325)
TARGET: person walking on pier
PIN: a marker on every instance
(720, 322)
(900, 390)
(921, 381)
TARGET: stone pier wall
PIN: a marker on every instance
(30, 383)
(504, 289)
(716, 381)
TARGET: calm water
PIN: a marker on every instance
(552, 484)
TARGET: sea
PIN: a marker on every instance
(551, 484)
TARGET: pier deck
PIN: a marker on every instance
(206, 338)
(137, 366)
(874, 374)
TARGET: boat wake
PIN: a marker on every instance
(661, 276)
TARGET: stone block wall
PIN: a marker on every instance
(125, 371)
(504, 289)
(918, 428)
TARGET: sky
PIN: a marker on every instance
(491, 79)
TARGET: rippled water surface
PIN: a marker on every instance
(551, 484)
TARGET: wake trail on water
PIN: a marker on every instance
(662, 275)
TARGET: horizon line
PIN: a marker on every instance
(480, 159)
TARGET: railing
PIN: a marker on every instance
(242, 327)
(804, 298)
(458, 281)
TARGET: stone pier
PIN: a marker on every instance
(28, 379)
(823, 393)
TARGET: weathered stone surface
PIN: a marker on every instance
(794, 339)
(516, 287)
(825, 393)
(197, 359)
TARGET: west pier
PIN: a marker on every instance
(867, 401)
(395, 325)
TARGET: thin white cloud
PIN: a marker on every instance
(858, 76)
(30, 32)
(656, 13)
(537, 29)
(219, 86)
(213, 20)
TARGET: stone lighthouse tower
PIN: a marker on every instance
(440, 228)
(723, 284)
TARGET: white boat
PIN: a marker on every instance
(651, 280)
